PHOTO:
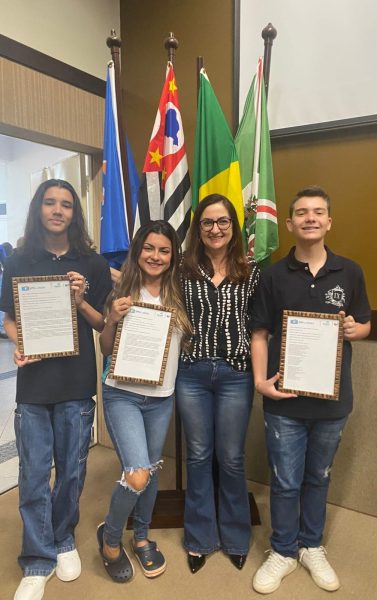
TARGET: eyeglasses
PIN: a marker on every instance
(223, 223)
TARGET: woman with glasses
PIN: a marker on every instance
(214, 386)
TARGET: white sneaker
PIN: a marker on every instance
(315, 561)
(269, 576)
(32, 587)
(68, 566)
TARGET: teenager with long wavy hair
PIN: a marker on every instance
(54, 396)
(138, 415)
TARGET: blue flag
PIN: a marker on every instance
(115, 239)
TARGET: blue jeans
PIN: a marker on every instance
(214, 402)
(300, 453)
(2, 314)
(45, 432)
(137, 426)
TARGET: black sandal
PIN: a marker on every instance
(120, 569)
(151, 559)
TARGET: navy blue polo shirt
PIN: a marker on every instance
(288, 284)
(54, 380)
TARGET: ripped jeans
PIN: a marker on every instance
(137, 426)
(300, 454)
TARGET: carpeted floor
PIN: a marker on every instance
(351, 540)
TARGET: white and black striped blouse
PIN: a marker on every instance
(220, 317)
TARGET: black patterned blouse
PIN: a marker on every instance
(220, 317)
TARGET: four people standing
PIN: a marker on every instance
(213, 296)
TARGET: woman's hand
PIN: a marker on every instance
(77, 283)
(119, 309)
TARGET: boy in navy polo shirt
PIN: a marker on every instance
(55, 409)
(303, 433)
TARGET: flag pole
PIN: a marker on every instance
(114, 43)
(171, 45)
(269, 33)
(199, 66)
(169, 507)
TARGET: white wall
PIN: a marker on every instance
(18, 160)
(73, 31)
(3, 197)
(323, 59)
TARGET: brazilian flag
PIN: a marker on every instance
(216, 166)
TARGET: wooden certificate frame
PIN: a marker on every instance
(137, 328)
(311, 353)
(21, 333)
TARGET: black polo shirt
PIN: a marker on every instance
(54, 380)
(288, 284)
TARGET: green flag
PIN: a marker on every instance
(254, 151)
(216, 166)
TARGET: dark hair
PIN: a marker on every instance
(311, 191)
(34, 236)
(131, 276)
(237, 265)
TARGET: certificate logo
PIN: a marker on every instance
(336, 296)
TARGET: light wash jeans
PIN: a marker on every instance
(45, 432)
(300, 453)
(2, 314)
(137, 426)
(214, 402)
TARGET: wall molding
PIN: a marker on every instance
(38, 61)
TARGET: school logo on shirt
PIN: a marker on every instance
(336, 296)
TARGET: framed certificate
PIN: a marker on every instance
(46, 316)
(311, 354)
(141, 345)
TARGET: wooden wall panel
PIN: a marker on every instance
(46, 110)
(343, 163)
(202, 28)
